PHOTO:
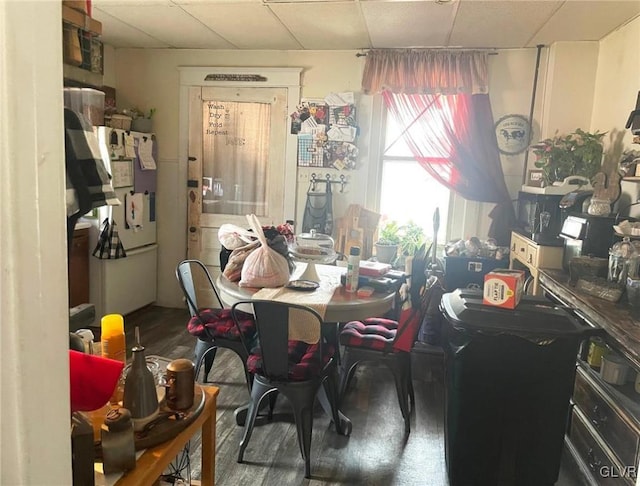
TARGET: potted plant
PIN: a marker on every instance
(141, 120)
(578, 153)
(388, 242)
(412, 237)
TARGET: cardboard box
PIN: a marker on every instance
(503, 288)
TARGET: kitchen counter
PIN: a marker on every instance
(619, 320)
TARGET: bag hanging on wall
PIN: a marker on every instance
(318, 212)
(109, 245)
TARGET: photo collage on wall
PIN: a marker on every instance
(327, 132)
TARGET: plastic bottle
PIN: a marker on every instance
(353, 269)
(118, 445)
(112, 337)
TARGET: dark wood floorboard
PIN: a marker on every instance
(376, 453)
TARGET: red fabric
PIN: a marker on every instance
(408, 327)
(375, 333)
(303, 360)
(92, 380)
(452, 138)
(218, 323)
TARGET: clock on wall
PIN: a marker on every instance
(513, 133)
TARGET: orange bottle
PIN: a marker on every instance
(112, 337)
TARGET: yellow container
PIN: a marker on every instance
(112, 337)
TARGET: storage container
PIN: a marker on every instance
(121, 121)
(86, 101)
(461, 272)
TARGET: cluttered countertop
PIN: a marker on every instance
(620, 320)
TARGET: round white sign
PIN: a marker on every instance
(513, 133)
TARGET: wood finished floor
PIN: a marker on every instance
(376, 453)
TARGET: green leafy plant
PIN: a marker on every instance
(136, 112)
(578, 153)
(389, 234)
(412, 237)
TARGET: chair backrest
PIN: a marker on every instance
(188, 272)
(422, 292)
(277, 323)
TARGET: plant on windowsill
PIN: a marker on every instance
(576, 154)
(388, 242)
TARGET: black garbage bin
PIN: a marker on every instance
(509, 376)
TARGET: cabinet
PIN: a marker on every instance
(604, 434)
(79, 268)
(604, 425)
(533, 256)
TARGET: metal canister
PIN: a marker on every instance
(597, 349)
(180, 383)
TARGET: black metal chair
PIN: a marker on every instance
(213, 327)
(291, 359)
(389, 341)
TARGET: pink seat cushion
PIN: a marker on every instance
(303, 360)
(374, 333)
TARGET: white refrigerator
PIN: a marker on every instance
(124, 285)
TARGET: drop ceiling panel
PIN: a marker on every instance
(332, 25)
(581, 21)
(245, 25)
(408, 24)
(117, 33)
(170, 24)
(500, 23)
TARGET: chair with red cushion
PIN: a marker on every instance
(291, 359)
(389, 342)
(214, 327)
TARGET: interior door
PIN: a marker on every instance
(237, 140)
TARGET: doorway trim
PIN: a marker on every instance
(246, 77)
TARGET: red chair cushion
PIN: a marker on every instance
(374, 333)
(219, 324)
(303, 360)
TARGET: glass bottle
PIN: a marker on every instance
(620, 255)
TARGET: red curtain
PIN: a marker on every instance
(452, 138)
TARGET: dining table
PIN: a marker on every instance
(334, 303)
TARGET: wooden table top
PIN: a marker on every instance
(620, 320)
(343, 307)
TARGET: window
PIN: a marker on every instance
(408, 192)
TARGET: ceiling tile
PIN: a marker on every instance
(170, 24)
(245, 25)
(404, 24)
(117, 33)
(332, 25)
(505, 24)
(586, 21)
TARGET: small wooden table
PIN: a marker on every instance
(155, 460)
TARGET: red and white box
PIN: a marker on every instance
(503, 288)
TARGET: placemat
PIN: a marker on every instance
(299, 323)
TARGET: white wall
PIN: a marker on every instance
(617, 84)
(34, 402)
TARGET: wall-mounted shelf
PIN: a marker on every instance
(82, 49)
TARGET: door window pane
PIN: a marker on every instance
(235, 139)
